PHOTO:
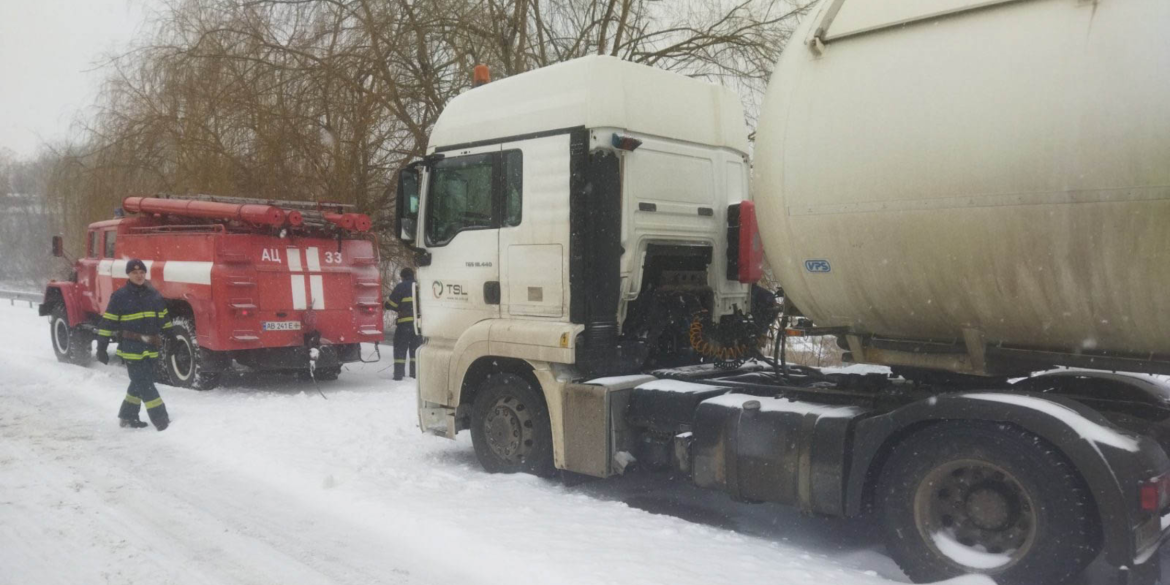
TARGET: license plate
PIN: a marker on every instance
(281, 325)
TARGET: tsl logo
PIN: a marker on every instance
(451, 290)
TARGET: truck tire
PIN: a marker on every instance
(510, 427)
(980, 497)
(72, 345)
(181, 361)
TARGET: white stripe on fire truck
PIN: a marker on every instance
(298, 292)
(318, 291)
(313, 259)
(294, 260)
(186, 272)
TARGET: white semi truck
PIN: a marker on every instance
(966, 191)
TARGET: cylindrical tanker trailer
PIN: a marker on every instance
(973, 185)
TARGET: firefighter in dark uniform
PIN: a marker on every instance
(405, 341)
(137, 318)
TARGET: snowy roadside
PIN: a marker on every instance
(266, 481)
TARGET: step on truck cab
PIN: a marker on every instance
(272, 285)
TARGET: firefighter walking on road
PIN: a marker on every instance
(405, 341)
(137, 318)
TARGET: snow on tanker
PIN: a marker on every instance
(273, 285)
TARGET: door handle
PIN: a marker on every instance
(491, 292)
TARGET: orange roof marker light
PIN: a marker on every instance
(481, 75)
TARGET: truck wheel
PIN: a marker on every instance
(182, 362)
(986, 498)
(71, 344)
(510, 428)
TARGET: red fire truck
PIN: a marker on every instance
(272, 285)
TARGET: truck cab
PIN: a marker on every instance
(559, 218)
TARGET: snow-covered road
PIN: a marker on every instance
(265, 481)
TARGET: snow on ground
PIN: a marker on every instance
(266, 481)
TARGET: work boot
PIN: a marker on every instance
(131, 423)
(158, 415)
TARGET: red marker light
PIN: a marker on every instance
(751, 249)
(1150, 497)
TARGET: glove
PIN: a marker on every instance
(102, 356)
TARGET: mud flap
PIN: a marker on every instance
(1148, 573)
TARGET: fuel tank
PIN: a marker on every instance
(974, 169)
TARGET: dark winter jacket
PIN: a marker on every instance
(137, 310)
(402, 300)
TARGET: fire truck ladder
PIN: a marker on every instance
(313, 213)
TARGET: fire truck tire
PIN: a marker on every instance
(182, 362)
(510, 427)
(980, 497)
(71, 344)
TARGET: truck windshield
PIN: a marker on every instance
(460, 197)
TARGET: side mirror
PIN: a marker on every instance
(58, 247)
(406, 218)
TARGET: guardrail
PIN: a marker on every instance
(13, 296)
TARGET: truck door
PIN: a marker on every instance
(461, 231)
(87, 272)
(106, 272)
(534, 233)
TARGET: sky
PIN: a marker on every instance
(50, 53)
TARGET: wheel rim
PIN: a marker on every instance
(182, 359)
(508, 429)
(975, 515)
(61, 335)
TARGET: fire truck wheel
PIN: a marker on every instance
(510, 427)
(976, 497)
(182, 362)
(71, 344)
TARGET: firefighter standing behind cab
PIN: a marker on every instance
(137, 315)
(405, 341)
